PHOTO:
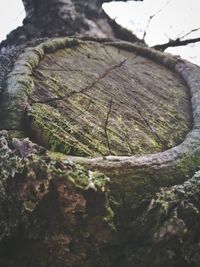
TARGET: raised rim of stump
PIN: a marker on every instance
(20, 86)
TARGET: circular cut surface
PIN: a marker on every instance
(95, 99)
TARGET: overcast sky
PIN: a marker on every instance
(174, 18)
(11, 16)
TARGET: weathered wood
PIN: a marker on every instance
(54, 212)
(107, 101)
(48, 110)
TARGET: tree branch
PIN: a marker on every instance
(107, 1)
(174, 43)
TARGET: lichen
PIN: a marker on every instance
(10, 164)
(64, 115)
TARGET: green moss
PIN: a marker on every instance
(109, 218)
(81, 176)
(82, 132)
(86, 112)
(131, 188)
(87, 179)
(73, 131)
(188, 164)
(29, 205)
(59, 43)
(57, 155)
(10, 164)
(50, 129)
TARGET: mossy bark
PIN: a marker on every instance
(47, 104)
(52, 213)
(94, 128)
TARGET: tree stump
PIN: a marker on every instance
(92, 109)
(106, 104)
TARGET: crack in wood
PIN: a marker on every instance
(87, 87)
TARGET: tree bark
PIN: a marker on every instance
(91, 129)
(56, 18)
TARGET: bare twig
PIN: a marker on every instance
(150, 127)
(188, 33)
(87, 87)
(146, 122)
(106, 124)
(151, 17)
(178, 41)
(107, 1)
(174, 43)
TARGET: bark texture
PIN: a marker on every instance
(70, 197)
(55, 216)
(56, 18)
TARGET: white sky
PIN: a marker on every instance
(11, 16)
(175, 19)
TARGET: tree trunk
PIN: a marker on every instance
(91, 128)
(56, 18)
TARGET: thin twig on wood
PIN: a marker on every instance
(87, 87)
(106, 124)
(149, 126)
(151, 129)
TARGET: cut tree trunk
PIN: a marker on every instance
(91, 129)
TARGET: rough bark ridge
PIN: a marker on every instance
(60, 210)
